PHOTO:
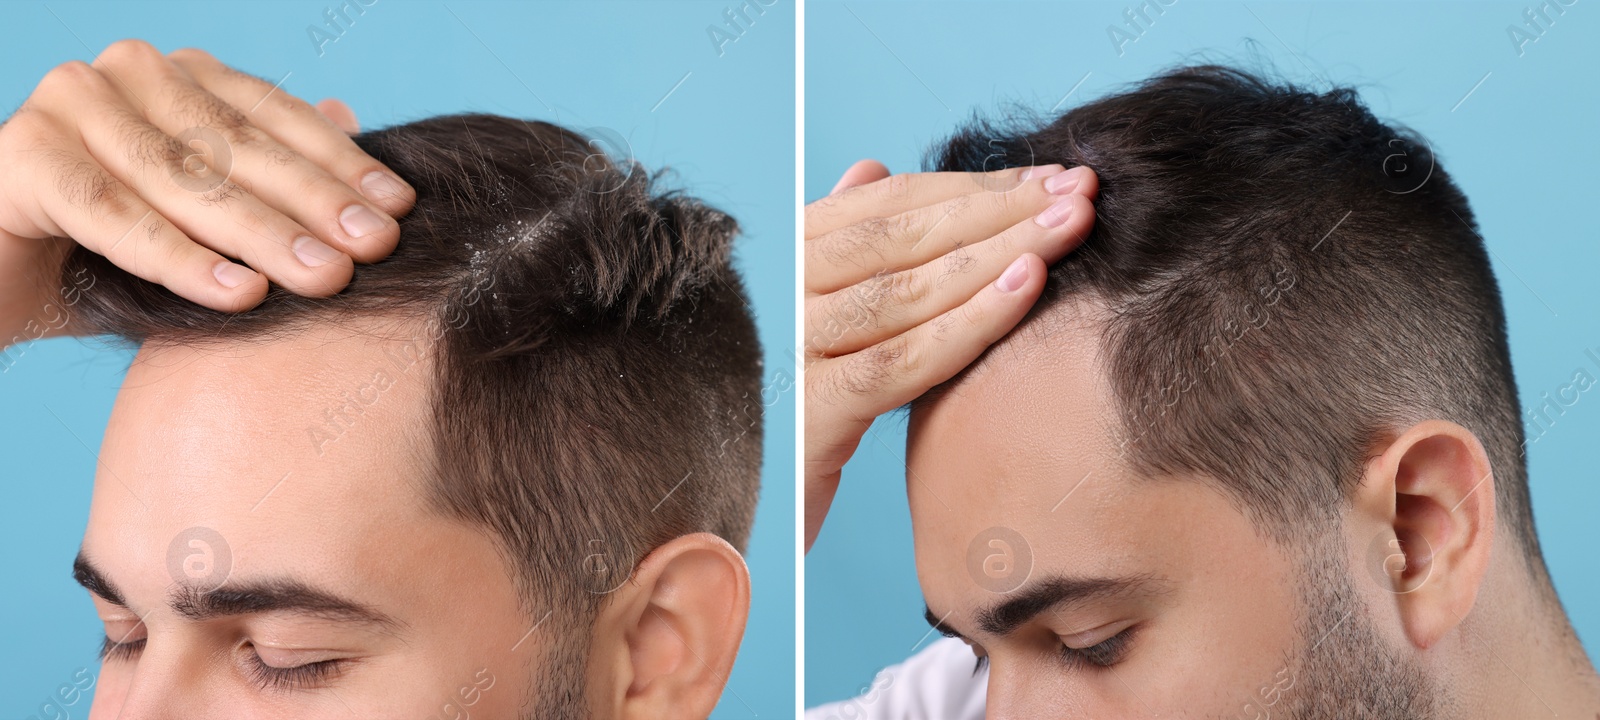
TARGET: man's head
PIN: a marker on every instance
(504, 471)
(1252, 421)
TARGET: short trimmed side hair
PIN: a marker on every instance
(597, 386)
(1288, 279)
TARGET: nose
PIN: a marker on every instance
(163, 683)
(1017, 695)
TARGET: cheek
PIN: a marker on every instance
(471, 669)
(480, 693)
(1231, 647)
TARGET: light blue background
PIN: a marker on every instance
(885, 80)
(727, 130)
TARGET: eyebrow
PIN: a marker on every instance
(1048, 594)
(94, 581)
(249, 598)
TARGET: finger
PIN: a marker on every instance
(819, 498)
(899, 193)
(101, 213)
(861, 173)
(890, 244)
(296, 124)
(210, 207)
(849, 391)
(223, 144)
(887, 305)
(340, 115)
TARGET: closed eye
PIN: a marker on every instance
(1103, 654)
(115, 651)
(299, 677)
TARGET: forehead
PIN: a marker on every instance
(1036, 409)
(1026, 440)
(314, 441)
(1016, 473)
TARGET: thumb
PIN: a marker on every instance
(861, 173)
(341, 115)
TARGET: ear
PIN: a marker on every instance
(1431, 492)
(667, 638)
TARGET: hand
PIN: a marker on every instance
(169, 165)
(908, 279)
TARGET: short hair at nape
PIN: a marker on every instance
(1287, 279)
(597, 373)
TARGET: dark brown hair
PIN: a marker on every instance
(597, 370)
(1288, 278)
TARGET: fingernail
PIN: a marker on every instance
(232, 275)
(380, 186)
(1014, 276)
(1041, 171)
(1055, 215)
(312, 252)
(1061, 184)
(358, 221)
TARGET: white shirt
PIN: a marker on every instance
(935, 684)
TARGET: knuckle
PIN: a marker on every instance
(144, 251)
(848, 244)
(819, 210)
(322, 187)
(192, 56)
(881, 358)
(238, 133)
(26, 128)
(874, 367)
(964, 316)
(1010, 203)
(73, 76)
(957, 262)
(293, 106)
(863, 305)
(172, 253)
(856, 314)
(969, 317)
(897, 290)
(86, 185)
(131, 50)
(197, 107)
(822, 334)
(946, 324)
(281, 156)
(958, 208)
(904, 225)
(146, 146)
(898, 187)
(223, 194)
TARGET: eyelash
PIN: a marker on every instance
(294, 678)
(1104, 654)
(264, 675)
(113, 650)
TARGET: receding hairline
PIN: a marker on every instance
(1087, 313)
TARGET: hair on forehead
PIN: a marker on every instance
(596, 373)
(1286, 280)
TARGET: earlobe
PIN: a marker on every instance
(684, 614)
(1438, 540)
